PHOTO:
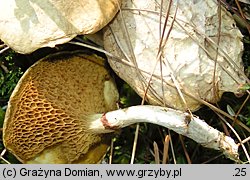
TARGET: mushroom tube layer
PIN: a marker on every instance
(45, 123)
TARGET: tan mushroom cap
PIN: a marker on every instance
(27, 25)
(46, 115)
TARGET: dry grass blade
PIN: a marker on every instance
(227, 6)
(212, 159)
(238, 137)
(185, 150)
(217, 53)
(135, 143)
(129, 43)
(165, 150)
(2, 46)
(242, 14)
(245, 1)
(159, 54)
(245, 140)
(161, 5)
(4, 49)
(5, 69)
(241, 107)
(156, 153)
(1, 157)
(162, 44)
(172, 147)
(111, 151)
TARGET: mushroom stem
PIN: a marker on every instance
(178, 121)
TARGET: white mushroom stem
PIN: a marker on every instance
(178, 121)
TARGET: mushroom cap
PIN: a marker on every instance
(187, 54)
(27, 25)
(46, 117)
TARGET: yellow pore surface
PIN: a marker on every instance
(46, 116)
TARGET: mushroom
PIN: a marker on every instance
(27, 25)
(183, 64)
(45, 119)
(65, 103)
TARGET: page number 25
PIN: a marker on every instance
(240, 172)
